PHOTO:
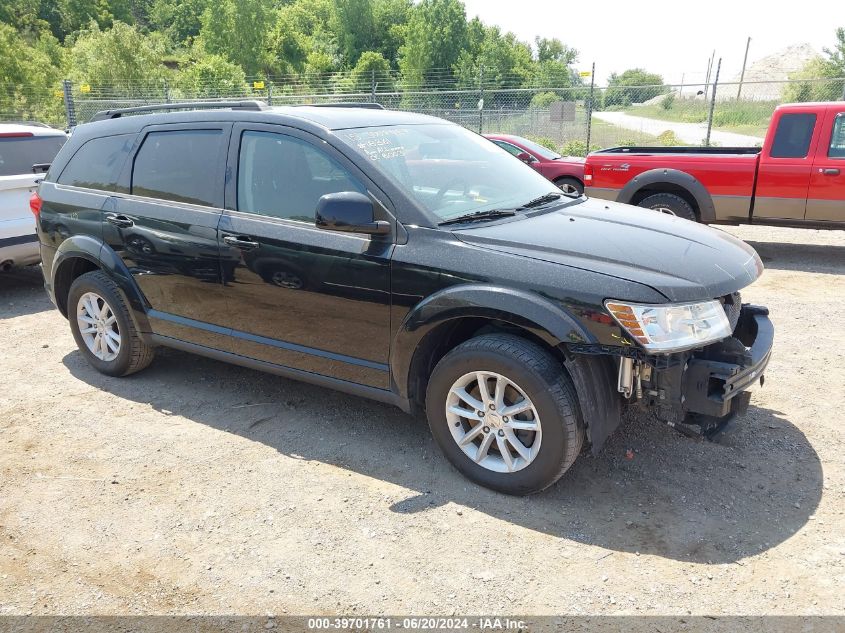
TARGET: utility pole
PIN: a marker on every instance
(707, 78)
(742, 74)
(681, 89)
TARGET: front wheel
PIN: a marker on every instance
(504, 412)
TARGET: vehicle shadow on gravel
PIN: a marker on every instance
(677, 497)
(812, 258)
(22, 292)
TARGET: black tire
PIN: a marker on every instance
(664, 202)
(542, 378)
(570, 185)
(133, 354)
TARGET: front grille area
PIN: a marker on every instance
(732, 304)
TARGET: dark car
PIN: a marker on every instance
(402, 258)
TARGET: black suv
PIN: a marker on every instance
(402, 258)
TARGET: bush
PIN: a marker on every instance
(668, 139)
(668, 101)
(544, 100)
(545, 142)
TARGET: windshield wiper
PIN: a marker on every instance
(479, 215)
(536, 202)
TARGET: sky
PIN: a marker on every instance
(673, 38)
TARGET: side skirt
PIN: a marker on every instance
(363, 391)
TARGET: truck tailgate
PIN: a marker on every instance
(15, 217)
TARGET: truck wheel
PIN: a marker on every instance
(570, 185)
(101, 325)
(504, 412)
(669, 203)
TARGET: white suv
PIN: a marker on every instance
(24, 150)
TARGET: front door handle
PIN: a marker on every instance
(120, 221)
(243, 243)
(830, 171)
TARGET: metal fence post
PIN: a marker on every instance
(590, 106)
(373, 85)
(712, 104)
(70, 107)
(480, 99)
(166, 91)
(269, 92)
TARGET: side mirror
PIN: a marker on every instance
(525, 157)
(350, 212)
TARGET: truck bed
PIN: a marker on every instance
(646, 150)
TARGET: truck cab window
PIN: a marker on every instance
(792, 139)
(837, 138)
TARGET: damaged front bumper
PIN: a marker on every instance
(710, 384)
(715, 380)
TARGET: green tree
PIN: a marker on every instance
(371, 66)
(355, 27)
(391, 19)
(181, 20)
(211, 76)
(303, 39)
(29, 76)
(121, 57)
(239, 31)
(633, 86)
(435, 36)
(505, 61)
(553, 50)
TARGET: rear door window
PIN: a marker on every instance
(180, 165)
(19, 153)
(97, 164)
(837, 138)
(793, 136)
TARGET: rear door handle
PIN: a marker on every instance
(243, 243)
(830, 171)
(119, 220)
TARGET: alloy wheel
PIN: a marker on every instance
(493, 421)
(98, 326)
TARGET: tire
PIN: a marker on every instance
(669, 203)
(131, 353)
(535, 373)
(570, 185)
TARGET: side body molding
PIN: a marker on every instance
(676, 177)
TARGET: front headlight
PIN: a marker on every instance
(672, 327)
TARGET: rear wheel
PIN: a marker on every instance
(101, 325)
(504, 412)
(571, 186)
(670, 204)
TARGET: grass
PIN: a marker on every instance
(742, 117)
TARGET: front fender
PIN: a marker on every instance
(526, 310)
(706, 208)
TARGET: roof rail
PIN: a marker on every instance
(345, 104)
(188, 105)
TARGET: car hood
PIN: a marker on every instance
(682, 260)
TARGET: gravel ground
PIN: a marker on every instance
(198, 487)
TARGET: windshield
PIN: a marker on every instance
(536, 148)
(450, 171)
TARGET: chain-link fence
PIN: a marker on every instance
(571, 119)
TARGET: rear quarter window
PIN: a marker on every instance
(837, 138)
(19, 153)
(97, 164)
(793, 136)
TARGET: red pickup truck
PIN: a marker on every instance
(796, 179)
